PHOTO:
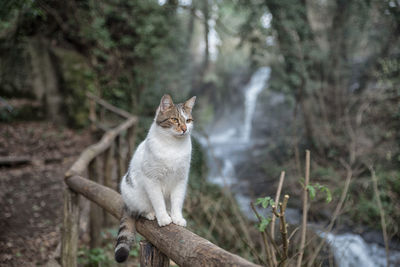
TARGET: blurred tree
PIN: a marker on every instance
(330, 50)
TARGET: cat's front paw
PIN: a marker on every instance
(150, 216)
(164, 220)
(179, 220)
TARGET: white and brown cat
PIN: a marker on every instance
(155, 185)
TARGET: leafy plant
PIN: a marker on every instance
(93, 257)
(264, 223)
(265, 202)
(313, 189)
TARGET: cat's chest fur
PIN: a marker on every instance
(166, 159)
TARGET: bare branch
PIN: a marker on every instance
(381, 212)
(305, 209)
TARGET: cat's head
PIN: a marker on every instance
(176, 119)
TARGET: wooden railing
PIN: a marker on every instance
(97, 162)
(172, 241)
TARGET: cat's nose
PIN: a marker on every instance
(184, 128)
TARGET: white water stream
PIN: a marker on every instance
(252, 90)
(350, 250)
(231, 146)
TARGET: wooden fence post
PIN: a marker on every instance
(119, 158)
(96, 213)
(108, 172)
(70, 232)
(131, 144)
(108, 165)
(150, 256)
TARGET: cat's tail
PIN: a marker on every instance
(126, 236)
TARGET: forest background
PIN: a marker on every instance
(335, 64)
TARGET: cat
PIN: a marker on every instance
(155, 185)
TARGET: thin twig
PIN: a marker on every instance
(382, 214)
(293, 232)
(273, 243)
(276, 213)
(264, 235)
(277, 196)
(254, 252)
(305, 209)
(283, 229)
(284, 232)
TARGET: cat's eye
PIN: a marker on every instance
(175, 120)
(189, 120)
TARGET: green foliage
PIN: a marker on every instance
(366, 204)
(9, 11)
(147, 38)
(265, 202)
(77, 79)
(135, 250)
(21, 113)
(104, 256)
(264, 223)
(94, 257)
(313, 189)
(131, 49)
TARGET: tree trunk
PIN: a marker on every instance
(206, 14)
(45, 79)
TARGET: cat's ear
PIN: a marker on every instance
(190, 103)
(166, 103)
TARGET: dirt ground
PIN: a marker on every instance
(31, 195)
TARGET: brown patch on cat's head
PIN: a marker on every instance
(176, 116)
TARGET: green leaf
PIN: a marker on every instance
(265, 202)
(311, 191)
(328, 193)
(264, 223)
(259, 201)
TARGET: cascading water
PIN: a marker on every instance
(252, 90)
(229, 145)
(351, 250)
(228, 148)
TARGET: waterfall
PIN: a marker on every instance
(350, 250)
(252, 90)
(228, 148)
